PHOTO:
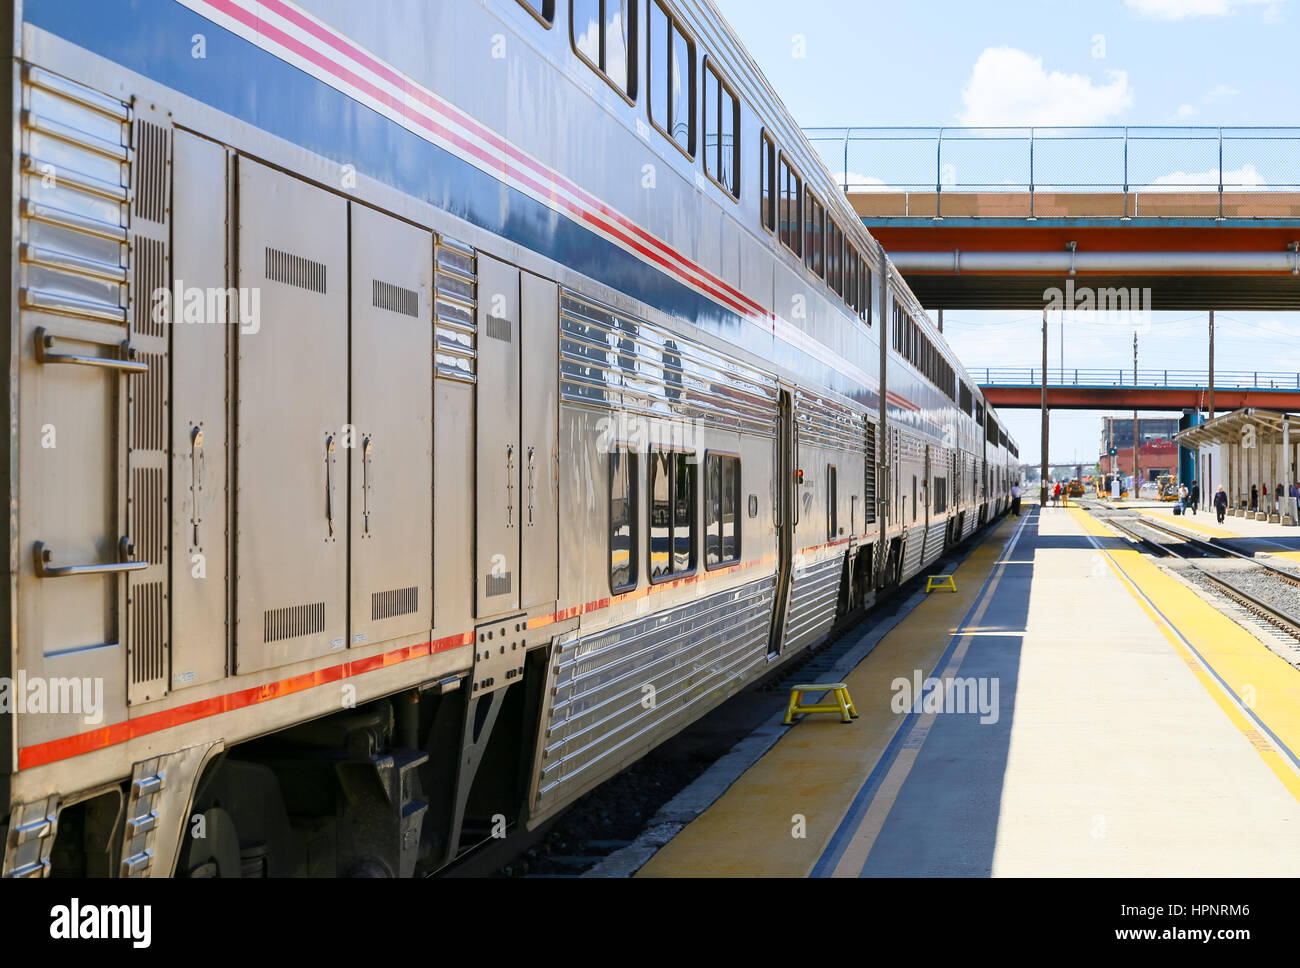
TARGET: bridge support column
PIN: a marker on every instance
(1042, 490)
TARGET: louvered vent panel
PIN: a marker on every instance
(151, 171)
(148, 404)
(148, 642)
(397, 299)
(396, 601)
(498, 328)
(147, 512)
(293, 621)
(151, 313)
(295, 270)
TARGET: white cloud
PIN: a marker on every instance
(1008, 86)
(1182, 9)
(1243, 178)
(862, 183)
(1220, 92)
(1186, 111)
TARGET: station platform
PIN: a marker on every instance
(1249, 537)
(1106, 734)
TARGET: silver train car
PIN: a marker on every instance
(419, 411)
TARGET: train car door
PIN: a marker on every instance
(786, 493)
(539, 425)
(391, 457)
(516, 529)
(291, 541)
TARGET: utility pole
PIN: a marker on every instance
(1211, 364)
(1137, 443)
(1042, 491)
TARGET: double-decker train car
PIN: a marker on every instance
(420, 411)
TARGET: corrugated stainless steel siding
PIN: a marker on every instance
(813, 593)
(934, 540)
(827, 423)
(611, 360)
(913, 548)
(602, 714)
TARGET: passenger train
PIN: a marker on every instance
(418, 412)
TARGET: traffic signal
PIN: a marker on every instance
(1114, 451)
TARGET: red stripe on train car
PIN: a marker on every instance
(61, 749)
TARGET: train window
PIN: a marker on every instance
(864, 292)
(721, 510)
(913, 497)
(790, 186)
(603, 32)
(832, 503)
(721, 124)
(670, 62)
(622, 521)
(767, 178)
(850, 276)
(543, 10)
(834, 257)
(814, 234)
(672, 515)
(940, 495)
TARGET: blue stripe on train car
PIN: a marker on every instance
(153, 38)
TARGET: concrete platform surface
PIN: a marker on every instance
(1093, 717)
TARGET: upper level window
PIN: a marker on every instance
(790, 187)
(670, 63)
(864, 291)
(721, 125)
(814, 234)
(543, 10)
(834, 257)
(767, 151)
(604, 35)
(850, 276)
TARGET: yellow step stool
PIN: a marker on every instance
(842, 705)
(940, 581)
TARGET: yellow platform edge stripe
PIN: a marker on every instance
(1230, 652)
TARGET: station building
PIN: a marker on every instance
(1247, 447)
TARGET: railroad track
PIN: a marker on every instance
(1281, 618)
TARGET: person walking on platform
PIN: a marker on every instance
(1183, 494)
(1220, 503)
(1056, 495)
(1254, 498)
(1196, 496)
(1277, 499)
(1015, 499)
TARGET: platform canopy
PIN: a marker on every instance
(1231, 427)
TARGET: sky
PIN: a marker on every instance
(1049, 62)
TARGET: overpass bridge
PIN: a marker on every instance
(1121, 389)
(992, 218)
